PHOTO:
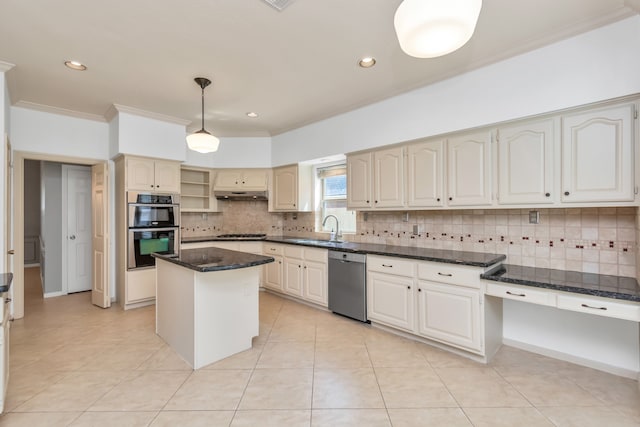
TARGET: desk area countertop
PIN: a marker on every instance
(214, 259)
(5, 282)
(599, 285)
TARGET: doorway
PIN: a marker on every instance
(94, 222)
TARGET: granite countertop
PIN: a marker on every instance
(5, 282)
(214, 259)
(622, 288)
(475, 259)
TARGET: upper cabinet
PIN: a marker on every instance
(376, 180)
(196, 190)
(292, 189)
(526, 163)
(469, 170)
(245, 179)
(425, 173)
(597, 155)
(153, 175)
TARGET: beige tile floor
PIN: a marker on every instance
(73, 364)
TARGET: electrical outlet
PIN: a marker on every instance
(534, 217)
(416, 230)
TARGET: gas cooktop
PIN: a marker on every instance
(245, 236)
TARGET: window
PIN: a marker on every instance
(333, 199)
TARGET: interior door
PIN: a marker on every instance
(8, 223)
(78, 229)
(100, 295)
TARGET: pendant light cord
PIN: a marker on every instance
(203, 107)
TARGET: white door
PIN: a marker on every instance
(100, 294)
(167, 176)
(597, 156)
(273, 274)
(285, 184)
(315, 282)
(8, 223)
(525, 159)
(469, 173)
(389, 178)
(359, 181)
(390, 300)
(140, 174)
(425, 174)
(76, 213)
(293, 276)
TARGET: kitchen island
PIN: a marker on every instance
(207, 302)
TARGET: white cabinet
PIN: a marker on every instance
(359, 184)
(597, 155)
(450, 314)
(425, 173)
(4, 351)
(293, 276)
(390, 294)
(141, 286)
(469, 170)
(245, 179)
(273, 272)
(305, 273)
(196, 190)
(377, 186)
(292, 189)
(526, 163)
(152, 175)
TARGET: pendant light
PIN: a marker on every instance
(432, 28)
(202, 141)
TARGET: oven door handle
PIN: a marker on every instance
(153, 205)
(134, 229)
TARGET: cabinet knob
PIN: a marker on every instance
(438, 199)
(408, 287)
(157, 186)
(376, 201)
(566, 193)
(151, 185)
(547, 194)
(367, 201)
(419, 290)
(450, 198)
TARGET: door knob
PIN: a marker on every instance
(11, 252)
(72, 237)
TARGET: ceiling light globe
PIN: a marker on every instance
(203, 142)
(432, 28)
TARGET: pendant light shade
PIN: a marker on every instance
(202, 141)
(432, 28)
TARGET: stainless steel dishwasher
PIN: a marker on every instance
(348, 284)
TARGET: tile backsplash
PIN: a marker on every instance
(594, 240)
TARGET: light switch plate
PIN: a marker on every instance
(534, 217)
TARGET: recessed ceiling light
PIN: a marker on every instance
(252, 114)
(367, 62)
(75, 65)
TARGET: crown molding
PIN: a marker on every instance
(117, 108)
(6, 66)
(60, 111)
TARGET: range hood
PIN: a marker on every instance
(240, 195)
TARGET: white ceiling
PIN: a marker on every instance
(293, 67)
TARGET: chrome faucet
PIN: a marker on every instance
(334, 236)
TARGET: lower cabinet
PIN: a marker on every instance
(315, 285)
(438, 301)
(141, 286)
(273, 274)
(293, 276)
(450, 314)
(391, 300)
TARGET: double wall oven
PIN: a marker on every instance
(154, 226)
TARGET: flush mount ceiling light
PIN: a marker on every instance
(367, 62)
(75, 65)
(432, 28)
(202, 141)
(252, 114)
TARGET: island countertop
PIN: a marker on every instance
(214, 259)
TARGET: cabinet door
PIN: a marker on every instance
(388, 175)
(315, 282)
(469, 172)
(293, 276)
(390, 300)
(450, 314)
(229, 180)
(140, 174)
(167, 176)
(359, 168)
(525, 163)
(597, 156)
(425, 174)
(273, 274)
(254, 180)
(285, 187)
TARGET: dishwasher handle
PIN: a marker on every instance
(347, 257)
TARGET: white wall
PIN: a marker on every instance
(4, 128)
(234, 153)
(594, 66)
(41, 132)
(143, 136)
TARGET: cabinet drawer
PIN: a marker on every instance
(272, 249)
(448, 273)
(141, 285)
(521, 293)
(317, 255)
(249, 247)
(601, 307)
(292, 251)
(389, 265)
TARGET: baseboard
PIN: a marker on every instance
(54, 294)
(615, 370)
